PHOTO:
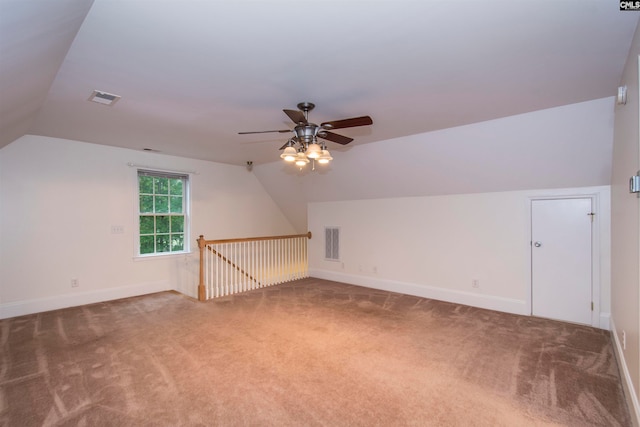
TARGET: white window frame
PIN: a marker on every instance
(186, 211)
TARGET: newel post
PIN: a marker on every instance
(202, 295)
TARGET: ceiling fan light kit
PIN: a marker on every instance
(325, 157)
(304, 145)
(313, 151)
(289, 154)
(301, 159)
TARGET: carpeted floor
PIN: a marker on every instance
(306, 353)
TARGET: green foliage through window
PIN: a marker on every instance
(162, 205)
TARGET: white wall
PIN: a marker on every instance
(625, 283)
(59, 199)
(436, 246)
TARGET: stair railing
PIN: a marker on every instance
(230, 266)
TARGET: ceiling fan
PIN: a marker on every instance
(304, 144)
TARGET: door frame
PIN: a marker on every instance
(596, 315)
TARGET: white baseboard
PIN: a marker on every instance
(489, 302)
(627, 383)
(605, 321)
(21, 308)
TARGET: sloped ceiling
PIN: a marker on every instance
(562, 147)
(194, 73)
(34, 39)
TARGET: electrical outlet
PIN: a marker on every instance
(624, 340)
(75, 283)
(475, 283)
(117, 229)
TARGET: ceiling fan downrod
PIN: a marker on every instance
(305, 107)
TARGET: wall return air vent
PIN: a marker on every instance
(103, 98)
(332, 243)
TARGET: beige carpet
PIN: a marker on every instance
(307, 353)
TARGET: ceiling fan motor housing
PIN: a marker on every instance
(306, 134)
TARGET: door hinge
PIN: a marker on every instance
(591, 305)
(591, 214)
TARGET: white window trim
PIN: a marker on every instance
(136, 214)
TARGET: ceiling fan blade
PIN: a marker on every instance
(348, 123)
(296, 115)
(334, 137)
(266, 131)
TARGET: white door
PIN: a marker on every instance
(561, 286)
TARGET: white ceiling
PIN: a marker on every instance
(194, 73)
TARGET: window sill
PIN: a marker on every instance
(161, 256)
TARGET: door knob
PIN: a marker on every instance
(537, 244)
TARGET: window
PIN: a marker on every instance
(332, 243)
(163, 220)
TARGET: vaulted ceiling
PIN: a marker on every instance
(192, 74)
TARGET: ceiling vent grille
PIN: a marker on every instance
(103, 98)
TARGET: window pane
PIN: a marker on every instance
(162, 243)
(177, 224)
(175, 204)
(162, 224)
(162, 204)
(146, 204)
(175, 187)
(145, 184)
(146, 225)
(162, 185)
(177, 242)
(146, 245)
